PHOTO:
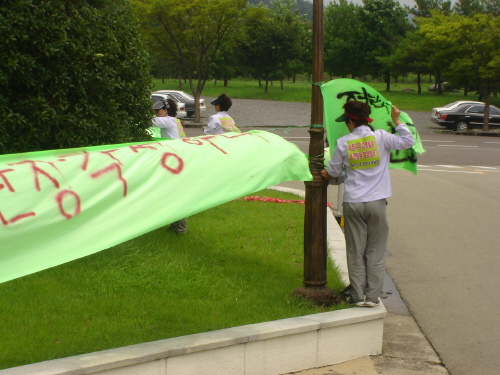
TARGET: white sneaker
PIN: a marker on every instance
(371, 303)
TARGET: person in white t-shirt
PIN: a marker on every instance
(361, 160)
(221, 122)
(165, 119)
(166, 110)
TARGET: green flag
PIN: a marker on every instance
(338, 91)
(60, 205)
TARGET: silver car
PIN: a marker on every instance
(186, 98)
(181, 107)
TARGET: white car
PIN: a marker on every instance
(186, 98)
(181, 107)
(448, 107)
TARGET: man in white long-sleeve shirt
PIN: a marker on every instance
(361, 161)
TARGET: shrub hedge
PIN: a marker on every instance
(72, 73)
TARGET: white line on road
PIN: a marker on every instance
(456, 146)
(465, 169)
(442, 170)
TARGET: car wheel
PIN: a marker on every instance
(462, 126)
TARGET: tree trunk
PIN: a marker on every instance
(419, 84)
(196, 117)
(226, 80)
(486, 121)
(180, 83)
(438, 83)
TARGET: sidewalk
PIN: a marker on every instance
(406, 351)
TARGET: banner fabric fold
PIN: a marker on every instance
(61, 205)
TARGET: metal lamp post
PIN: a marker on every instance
(315, 249)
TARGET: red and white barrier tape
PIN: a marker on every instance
(278, 200)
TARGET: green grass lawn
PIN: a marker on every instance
(300, 91)
(237, 265)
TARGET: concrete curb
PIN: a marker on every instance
(268, 348)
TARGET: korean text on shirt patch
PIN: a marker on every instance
(362, 153)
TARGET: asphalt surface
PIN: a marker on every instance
(254, 113)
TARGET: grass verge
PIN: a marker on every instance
(300, 91)
(238, 265)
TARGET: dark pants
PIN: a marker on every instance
(179, 226)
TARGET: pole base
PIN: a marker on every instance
(319, 295)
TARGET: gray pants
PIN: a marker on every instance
(366, 233)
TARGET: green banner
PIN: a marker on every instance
(60, 205)
(338, 91)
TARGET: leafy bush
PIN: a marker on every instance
(72, 74)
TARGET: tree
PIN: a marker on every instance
(409, 56)
(472, 44)
(225, 65)
(479, 37)
(284, 12)
(67, 84)
(423, 8)
(344, 36)
(357, 37)
(387, 22)
(494, 64)
(304, 7)
(468, 8)
(192, 32)
(439, 53)
(268, 44)
(252, 48)
(491, 7)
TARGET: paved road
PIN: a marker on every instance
(443, 248)
(444, 259)
(264, 113)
